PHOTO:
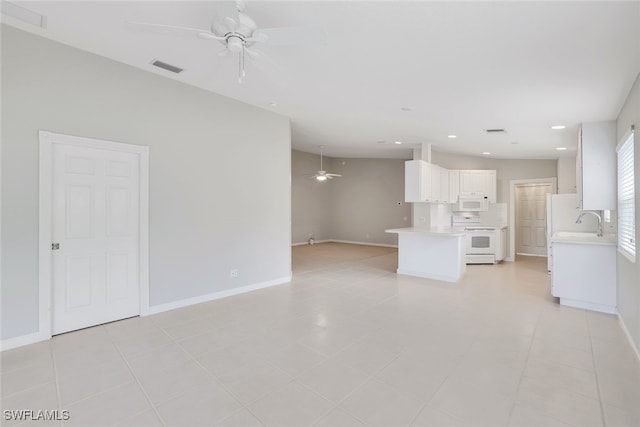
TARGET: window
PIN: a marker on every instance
(626, 197)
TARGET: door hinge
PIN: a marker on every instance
(55, 246)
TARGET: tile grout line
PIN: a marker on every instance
(216, 380)
(526, 363)
(135, 377)
(55, 377)
(595, 370)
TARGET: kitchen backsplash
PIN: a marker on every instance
(495, 216)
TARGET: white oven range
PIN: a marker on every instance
(483, 244)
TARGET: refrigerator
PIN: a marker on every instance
(561, 215)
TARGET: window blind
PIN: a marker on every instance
(626, 197)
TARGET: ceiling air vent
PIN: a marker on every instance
(166, 66)
(495, 130)
(25, 15)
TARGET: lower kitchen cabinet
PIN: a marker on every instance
(584, 275)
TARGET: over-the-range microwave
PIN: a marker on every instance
(472, 204)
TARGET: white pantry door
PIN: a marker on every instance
(531, 202)
(95, 221)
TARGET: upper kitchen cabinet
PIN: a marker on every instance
(425, 182)
(445, 187)
(454, 185)
(596, 166)
(478, 183)
(417, 181)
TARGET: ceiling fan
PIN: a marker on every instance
(322, 175)
(239, 33)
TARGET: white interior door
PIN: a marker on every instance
(95, 221)
(530, 212)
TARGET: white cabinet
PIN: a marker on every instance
(417, 181)
(425, 182)
(445, 193)
(596, 166)
(501, 244)
(478, 183)
(435, 183)
(454, 185)
(584, 275)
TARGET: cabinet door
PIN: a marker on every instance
(490, 185)
(472, 183)
(445, 193)
(579, 169)
(454, 185)
(417, 181)
(597, 166)
(435, 183)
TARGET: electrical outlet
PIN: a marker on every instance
(234, 273)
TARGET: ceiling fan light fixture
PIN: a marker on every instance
(235, 44)
(321, 178)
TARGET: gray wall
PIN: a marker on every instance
(628, 272)
(506, 169)
(310, 199)
(357, 207)
(219, 171)
(567, 175)
(364, 200)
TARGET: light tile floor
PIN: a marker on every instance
(347, 343)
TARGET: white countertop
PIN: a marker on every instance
(441, 231)
(581, 238)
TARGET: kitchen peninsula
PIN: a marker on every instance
(433, 253)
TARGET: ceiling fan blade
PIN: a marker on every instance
(168, 29)
(305, 36)
(231, 23)
(254, 54)
(258, 37)
(210, 36)
(219, 28)
(226, 9)
(333, 174)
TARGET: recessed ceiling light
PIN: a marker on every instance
(515, 142)
(406, 109)
(273, 104)
(381, 142)
(486, 153)
(451, 136)
(398, 142)
(561, 148)
(558, 127)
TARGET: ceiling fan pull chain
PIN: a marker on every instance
(239, 69)
(243, 62)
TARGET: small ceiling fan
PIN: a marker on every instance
(238, 33)
(322, 175)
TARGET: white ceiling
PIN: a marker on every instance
(461, 67)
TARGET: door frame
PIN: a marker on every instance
(512, 203)
(45, 278)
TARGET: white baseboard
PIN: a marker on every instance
(22, 340)
(38, 336)
(306, 243)
(216, 295)
(632, 343)
(351, 242)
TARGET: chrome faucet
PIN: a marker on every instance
(579, 220)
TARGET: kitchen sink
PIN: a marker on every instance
(583, 237)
